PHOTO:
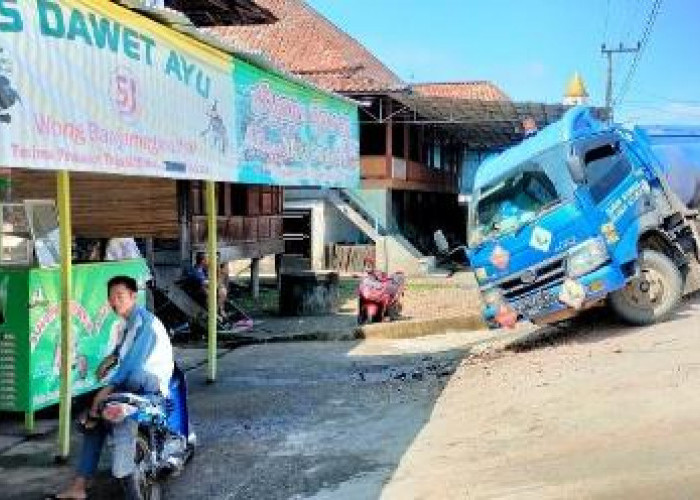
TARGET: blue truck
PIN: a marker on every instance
(586, 214)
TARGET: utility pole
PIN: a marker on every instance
(608, 87)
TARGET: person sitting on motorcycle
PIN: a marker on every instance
(143, 364)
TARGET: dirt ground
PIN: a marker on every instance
(424, 298)
(601, 410)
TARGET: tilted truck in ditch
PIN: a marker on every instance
(584, 214)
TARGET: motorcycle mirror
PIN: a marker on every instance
(441, 242)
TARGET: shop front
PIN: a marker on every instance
(92, 89)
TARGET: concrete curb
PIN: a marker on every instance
(408, 329)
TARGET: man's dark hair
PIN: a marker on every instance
(127, 281)
(199, 258)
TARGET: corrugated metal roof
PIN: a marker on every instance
(482, 124)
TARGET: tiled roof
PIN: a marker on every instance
(478, 90)
(306, 43)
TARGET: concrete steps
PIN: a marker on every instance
(393, 251)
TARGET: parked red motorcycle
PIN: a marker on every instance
(380, 296)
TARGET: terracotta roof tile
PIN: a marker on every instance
(306, 43)
(478, 90)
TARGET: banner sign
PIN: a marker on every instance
(290, 135)
(90, 86)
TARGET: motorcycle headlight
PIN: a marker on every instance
(586, 257)
(493, 297)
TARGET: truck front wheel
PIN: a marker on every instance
(653, 294)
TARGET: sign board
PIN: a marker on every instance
(91, 86)
(290, 135)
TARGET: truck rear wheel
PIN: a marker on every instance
(651, 295)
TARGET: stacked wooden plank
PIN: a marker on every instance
(349, 258)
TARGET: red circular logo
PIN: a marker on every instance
(125, 94)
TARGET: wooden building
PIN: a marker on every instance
(417, 142)
(106, 206)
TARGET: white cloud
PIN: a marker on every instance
(669, 113)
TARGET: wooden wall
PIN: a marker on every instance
(239, 199)
(107, 205)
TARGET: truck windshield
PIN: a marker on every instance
(532, 188)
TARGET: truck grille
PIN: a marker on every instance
(544, 276)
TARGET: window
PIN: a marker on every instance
(517, 200)
(15, 235)
(605, 170)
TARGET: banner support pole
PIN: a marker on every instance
(212, 294)
(65, 393)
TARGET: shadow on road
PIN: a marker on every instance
(309, 420)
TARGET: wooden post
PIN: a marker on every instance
(65, 393)
(278, 270)
(151, 259)
(255, 277)
(406, 143)
(213, 275)
(389, 142)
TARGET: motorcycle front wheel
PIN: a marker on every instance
(150, 487)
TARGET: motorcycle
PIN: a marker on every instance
(165, 441)
(380, 296)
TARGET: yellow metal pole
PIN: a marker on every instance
(64, 220)
(213, 276)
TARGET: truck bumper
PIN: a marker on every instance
(555, 303)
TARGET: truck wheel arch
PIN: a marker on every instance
(655, 239)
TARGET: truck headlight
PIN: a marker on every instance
(586, 257)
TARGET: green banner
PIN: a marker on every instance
(289, 134)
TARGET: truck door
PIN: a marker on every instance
(615, 187)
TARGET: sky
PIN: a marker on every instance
(530, 49)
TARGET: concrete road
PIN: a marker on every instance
(324, 420)
(595, 411)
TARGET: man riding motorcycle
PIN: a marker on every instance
(143, 364)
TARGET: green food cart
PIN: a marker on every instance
(30, 325)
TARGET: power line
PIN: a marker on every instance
(651, 19)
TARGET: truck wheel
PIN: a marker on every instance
(652, 295)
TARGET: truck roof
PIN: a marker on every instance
(576, 122)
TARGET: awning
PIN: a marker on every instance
(483, 125)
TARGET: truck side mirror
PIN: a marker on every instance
(441, 242)
(576, 167)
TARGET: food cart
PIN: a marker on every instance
(30, 326)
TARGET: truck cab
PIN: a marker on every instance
(578, 215)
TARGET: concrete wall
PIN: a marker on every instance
(339, 229)
(377, 202)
